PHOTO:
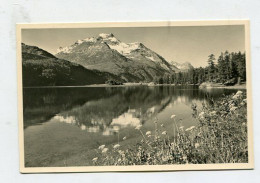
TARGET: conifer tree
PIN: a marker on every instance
(211, 67)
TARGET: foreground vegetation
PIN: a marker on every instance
(220, 137)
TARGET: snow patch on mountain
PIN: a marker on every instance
(115, 44)
(151, 58)
(91, 39)
(124, 48)
(79, 42)
(65, 49)
(113, 39)
(104, 35)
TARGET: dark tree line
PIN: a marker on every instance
(229, 68)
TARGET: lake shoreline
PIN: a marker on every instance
(107, 85)
(242, 86)
(216, 85)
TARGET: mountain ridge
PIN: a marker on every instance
(40, 68)
(97, 60)
(130, 61)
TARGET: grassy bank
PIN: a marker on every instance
(220, 137)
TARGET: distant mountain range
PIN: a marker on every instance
(95, 60)
(182, 66)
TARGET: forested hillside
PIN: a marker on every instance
(228, 69)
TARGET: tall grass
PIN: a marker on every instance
(220, 137)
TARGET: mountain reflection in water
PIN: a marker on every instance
(109, 109)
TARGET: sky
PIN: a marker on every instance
(180, 43)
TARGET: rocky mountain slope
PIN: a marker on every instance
(132, 62)
(40, 68)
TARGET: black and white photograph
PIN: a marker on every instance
(151, 96)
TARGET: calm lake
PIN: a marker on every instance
(65, 126)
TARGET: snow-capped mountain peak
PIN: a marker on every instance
(185, 66)
(124, 48)
(115, 44)
(104, 52)
(133, 51)
(107, 38)
(91, 39)
(105, 35)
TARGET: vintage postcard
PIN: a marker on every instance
(135, 96)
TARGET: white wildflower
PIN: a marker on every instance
(116, 146)
(148, 133)
(101, 147)
(190, 128)
(164, 133)
(173, 116)
(197, 145)
(202, 115)
(121, 152)
(104, 150)
(124, 138)
(95, 159)
(235, 97)
(239, 93)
